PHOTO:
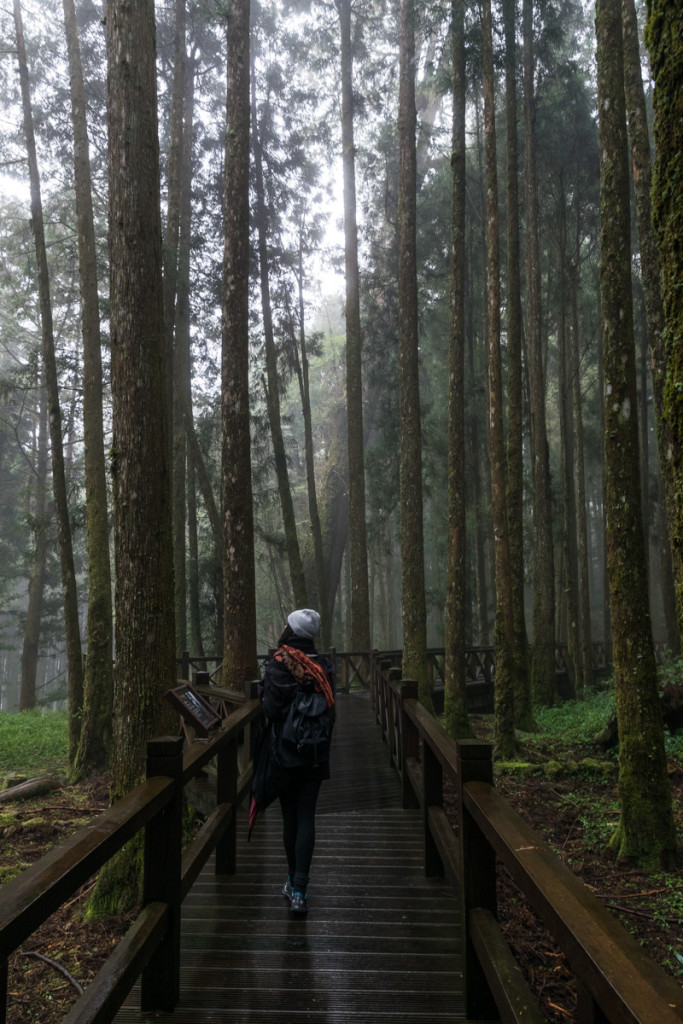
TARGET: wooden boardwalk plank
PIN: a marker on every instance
(380, 942)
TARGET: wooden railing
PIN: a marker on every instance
(617, 982)
(151, 947)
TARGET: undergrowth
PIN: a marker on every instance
(34, 742)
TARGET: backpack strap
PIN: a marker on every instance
(305, 671)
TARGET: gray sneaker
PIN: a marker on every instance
(298, 903)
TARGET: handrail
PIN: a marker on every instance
(151, 946)
(617, 981)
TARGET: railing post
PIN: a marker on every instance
(394, 677)
(185, 665)
(410, 744)
(478, 876)
(226, 793)
(432, 781)
(160, 982)
(3, 991)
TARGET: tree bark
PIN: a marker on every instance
(455, 700)
(585, 626)
(504, 723)
(664, 37)
(98, 688)
(650, 271)
(358, 552)
(567, 459)
(176, 355)
(414, 613)
(645, 834)
(239, 617)
(145, 641)
(181, 350)
(39, 519)
(313, 509)
(71, 623)
(543, 653)
(524, 718)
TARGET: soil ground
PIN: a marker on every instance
(574, 810)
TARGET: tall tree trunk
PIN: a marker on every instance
(239, 620)
(479, 429)
(313, 510)
(664, 37)
(71, 624)
(504, 694)
(645, 834)
(196, 639)
(585, 626)
(182, 361)
(457, 721)
(567, 459)
(358, 552)
(543, 657)
(650, 271)
(145, 642)
(412, 542)
(176, 355)
(524, 718)
(272, 384)
(36, 587)
(98, 693)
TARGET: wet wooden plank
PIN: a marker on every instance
(380, 942)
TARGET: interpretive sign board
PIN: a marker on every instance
(194, 708)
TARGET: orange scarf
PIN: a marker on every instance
(305, 671)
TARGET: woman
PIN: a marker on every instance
(295, 667)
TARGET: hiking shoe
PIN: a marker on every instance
(297, 903)
(287, 890)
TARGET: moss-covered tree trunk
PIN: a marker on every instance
(358, 550)
(98, 685)
(664, 35)
(457, 721)
(239, 585)
(66, 557)
(414, 615)
(645, 834)
(145, 644)
(543, 657)
(140, 454)
(504, 685)
(524, 718)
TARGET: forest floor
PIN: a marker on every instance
(574, 808)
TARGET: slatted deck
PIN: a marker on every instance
(380, 942)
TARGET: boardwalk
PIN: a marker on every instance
(380, 942)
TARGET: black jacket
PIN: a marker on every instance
(277, 689)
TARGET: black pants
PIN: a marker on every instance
(298, 828)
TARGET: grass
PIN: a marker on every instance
(577, 721)
(33, 742)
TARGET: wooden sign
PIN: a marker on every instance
(194, 709)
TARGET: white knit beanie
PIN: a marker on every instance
(304, 622)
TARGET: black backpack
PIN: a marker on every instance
(306, 732)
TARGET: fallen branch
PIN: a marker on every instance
(33, 787)
(58, 967)
(628, 895)
(642, 913)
